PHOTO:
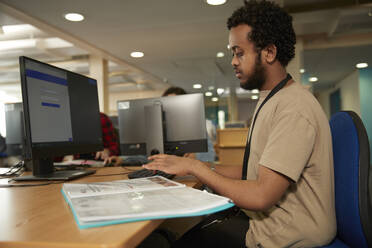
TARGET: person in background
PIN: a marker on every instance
(2, 144)
(286, 192)
(110, 140)
(110, 143)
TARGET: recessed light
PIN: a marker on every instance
(137, 54)
(214, 99)
(361, 65)
(254, 97)
(216, 2)
(220, 54)
(74, 17)
(302, 70)
(211, 88)
(313, 79)
(220, 91)
(197, 86)
(255, 91)
(228, 46)
(208, 93)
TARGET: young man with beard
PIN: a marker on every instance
(287, 187)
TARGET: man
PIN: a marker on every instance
(288, 192)
(110, 140)
(110, 143)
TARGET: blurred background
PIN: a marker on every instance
(137, 49)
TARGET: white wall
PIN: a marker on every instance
(323, 99)
(114, 97)
(349, 90)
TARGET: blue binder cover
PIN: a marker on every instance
(127, 220)
(219, 204)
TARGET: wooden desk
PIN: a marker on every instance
(40, 217)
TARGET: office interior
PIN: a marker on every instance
(185, 44)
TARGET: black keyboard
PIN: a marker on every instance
(149, 173)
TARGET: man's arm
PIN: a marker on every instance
(230, 171)
(258, 195)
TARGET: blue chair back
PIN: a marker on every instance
(352, 167)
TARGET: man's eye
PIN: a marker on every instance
(238, 54)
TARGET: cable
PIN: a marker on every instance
(28, 185)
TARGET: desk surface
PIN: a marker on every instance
(40, 217)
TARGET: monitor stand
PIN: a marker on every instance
(43, 170)
(154, 126)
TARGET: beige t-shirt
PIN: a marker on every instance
(292, 136)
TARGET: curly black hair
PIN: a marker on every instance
(174, 90)
(270, 25)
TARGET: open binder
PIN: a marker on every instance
(122, 201)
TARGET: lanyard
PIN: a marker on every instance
(278, 87)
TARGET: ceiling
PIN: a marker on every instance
(180, 40)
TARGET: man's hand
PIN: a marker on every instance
(172, 164)
(103, 155)
(117, 161)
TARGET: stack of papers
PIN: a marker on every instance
(107, 203)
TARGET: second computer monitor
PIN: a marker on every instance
(14, 129)
(171, 124)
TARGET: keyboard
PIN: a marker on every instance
(148, 173)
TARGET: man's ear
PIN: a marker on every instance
(269, 54)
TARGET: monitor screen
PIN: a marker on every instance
(179, 121)
(61, 114)
(14, 129)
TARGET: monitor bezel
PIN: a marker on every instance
(175, 147)
(52, 149)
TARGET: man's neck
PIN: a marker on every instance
(273, 77)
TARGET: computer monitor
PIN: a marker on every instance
(171, 124)
(61, 116)
(14, 129)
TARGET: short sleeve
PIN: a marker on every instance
(290, 144)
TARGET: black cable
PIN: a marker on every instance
(28, 185)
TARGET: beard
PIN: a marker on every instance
(258, 77)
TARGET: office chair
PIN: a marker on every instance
(352, 181)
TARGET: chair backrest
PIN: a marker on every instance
(352, 164)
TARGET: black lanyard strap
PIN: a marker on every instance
(278, 87)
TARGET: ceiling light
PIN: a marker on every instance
(254, 97)
(137, 54)
(8, 29)
(208, 93)
(214, 99)
(220, 54)
(313, 79)
(17, 44)
(197, 86)
(255, 91)
(302, 70)
(211, 88)
(220, 91)
(216, 2)
(74, 17)
(361, 65)
(228, 46)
